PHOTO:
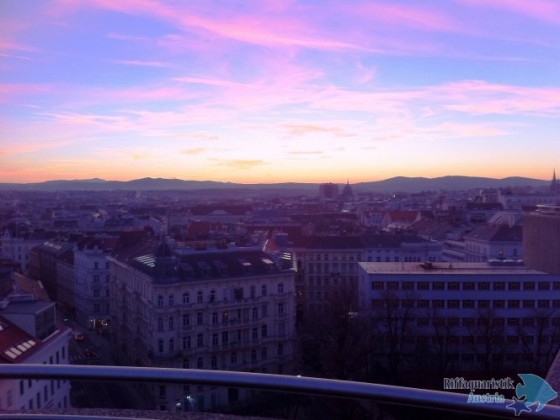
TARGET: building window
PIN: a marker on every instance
(199, 318)
(214, 318)
(170, 300)
(484, 304)
(438, 303)
(199, 340)
(423, 303)
(281, 309)
(233, 357)
(280, 349)
(225, 337)
(513, 322)
(499, 285)
(280, 287)
(171, 323)
(186, 364)
(499, 304)
(185, 298)
(252, 292)
(423, 285)
(453, 285)
(264, 330)
(543, 304)
(171, 345)
(255, 313)
(528, 304)
(393, 285)
(484, 285)
(377, 285)
(214, 340)
(214, 362)
(468, 285)
(544, 285)
(255, 334)
(160, 301)
(263, 290)
(200, 363)
(212, 296)
(186, 342)
(528, 285)
(438, 285)
(513, 285)
(468, 304)
(454, 304)
(199, 296)
(160, 346)
(160, 324)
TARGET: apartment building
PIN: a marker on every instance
(328, 263)
(227, 309)
(91, 282)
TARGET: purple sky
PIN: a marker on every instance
(273, 91)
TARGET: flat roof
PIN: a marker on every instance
(445, 268)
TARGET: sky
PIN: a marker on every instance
(266, 91)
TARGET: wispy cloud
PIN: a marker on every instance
(142, 63)
(544, 10)
(241, 164)
(303, 129)
(193, 151)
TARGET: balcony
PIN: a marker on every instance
(452, 404)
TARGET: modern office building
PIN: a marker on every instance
(492, 315)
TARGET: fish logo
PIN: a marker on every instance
(533, 390)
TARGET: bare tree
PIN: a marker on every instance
(335, 341)
(489, 342)
(392, 319)
(540, 339)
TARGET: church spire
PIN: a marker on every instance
(555, 183)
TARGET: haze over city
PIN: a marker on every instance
(278, 91)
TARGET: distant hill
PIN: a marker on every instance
(397, 184)
(449, 183)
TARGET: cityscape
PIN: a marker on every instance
(393, 288)
(358, 191)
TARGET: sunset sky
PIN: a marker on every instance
(278, 91)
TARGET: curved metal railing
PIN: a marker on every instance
(388, 394)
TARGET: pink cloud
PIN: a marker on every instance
(142, 63)
(399, 15)
(546, 10)
(8, 91)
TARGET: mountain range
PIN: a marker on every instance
(396, 184)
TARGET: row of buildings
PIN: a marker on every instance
(231, 298)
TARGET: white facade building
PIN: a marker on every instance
(28, 334)
(91, 286)
(18, 248)
(228, 309)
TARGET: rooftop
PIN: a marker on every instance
(444, 268)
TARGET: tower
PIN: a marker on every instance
(555, 183)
